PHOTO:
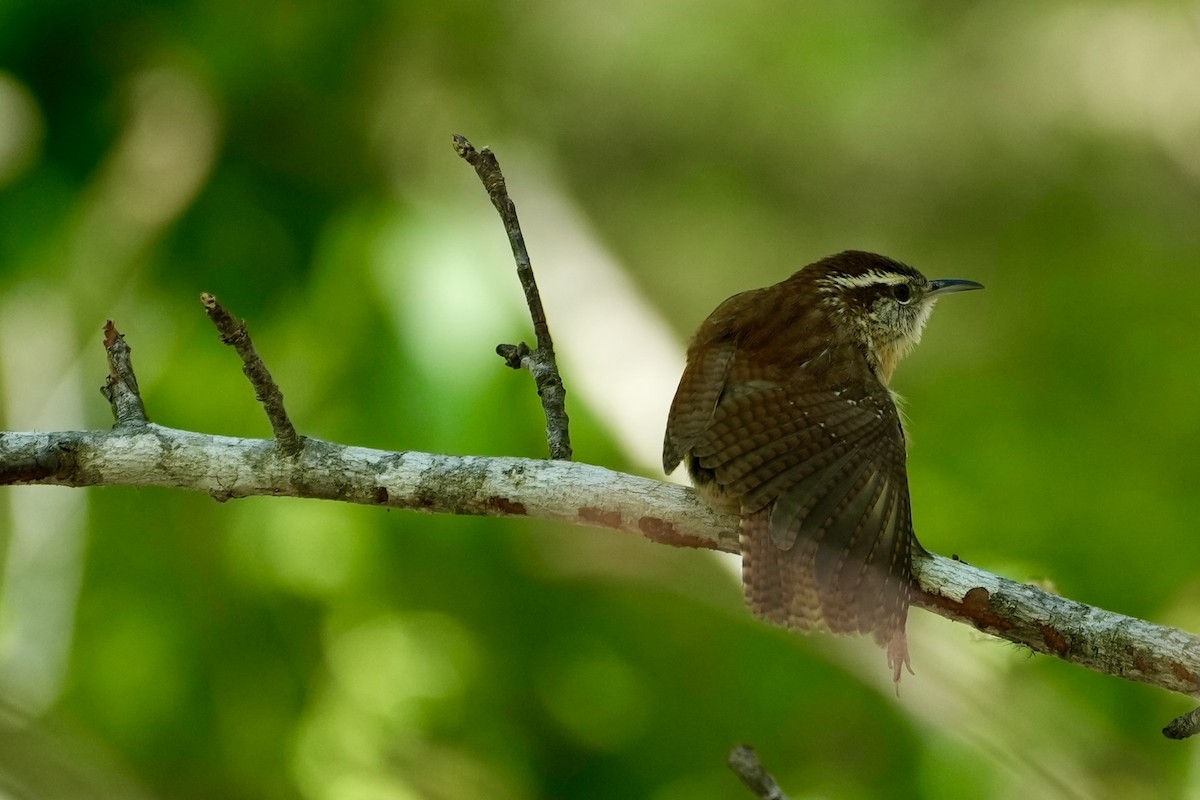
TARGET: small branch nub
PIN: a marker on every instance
(121, 387)
(1184, 726)
(513, 353)
(234, 334)
(744, 762)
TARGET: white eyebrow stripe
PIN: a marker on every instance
(869, 278)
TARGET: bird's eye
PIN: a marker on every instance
(902, 293)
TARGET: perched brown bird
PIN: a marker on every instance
(784, 414)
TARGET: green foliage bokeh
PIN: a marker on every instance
(294, 159)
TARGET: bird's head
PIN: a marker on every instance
(883, 304)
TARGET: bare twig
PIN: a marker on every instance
(744, 761)
(541, 362)
(121, 387)
(267, 392)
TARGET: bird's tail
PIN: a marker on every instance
(783, 587)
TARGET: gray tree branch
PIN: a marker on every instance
(580, 494)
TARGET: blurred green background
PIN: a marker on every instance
(294, 158)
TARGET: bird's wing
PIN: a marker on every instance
(696, 400)
(826, 523)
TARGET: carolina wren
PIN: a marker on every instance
(784, 414)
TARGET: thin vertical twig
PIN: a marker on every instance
(541, 361)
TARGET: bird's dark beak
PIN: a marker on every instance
(948, 285)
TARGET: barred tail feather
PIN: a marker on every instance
(783, 587)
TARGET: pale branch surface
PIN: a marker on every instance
(266, 391)
(541, 362)
(746, 765)
(1048, 623)
(227, 468)
(581, 494)
(120, 387)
